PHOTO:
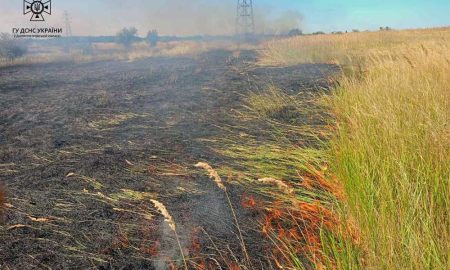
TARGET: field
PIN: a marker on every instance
(86, 147)
(312, 152)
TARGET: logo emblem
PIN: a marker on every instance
(37, 8)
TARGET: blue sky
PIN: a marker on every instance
(186, 17)
(332, 15)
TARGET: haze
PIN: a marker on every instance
(214, 17)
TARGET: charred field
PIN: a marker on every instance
(85, 147)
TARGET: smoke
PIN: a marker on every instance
(169, 17)
(192, 17)
(216, 18)
(181, 17)
(281, 24)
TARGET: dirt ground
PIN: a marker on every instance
(84, 147)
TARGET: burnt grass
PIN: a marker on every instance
(83, 147)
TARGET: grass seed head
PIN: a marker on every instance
(280, 184)
(163, 210)
(212, 174)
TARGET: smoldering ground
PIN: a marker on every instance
(85, 146)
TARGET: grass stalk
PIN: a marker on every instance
(170, 221)
(218, 181)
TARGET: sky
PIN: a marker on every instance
(191, 17)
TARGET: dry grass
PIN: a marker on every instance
(278, 183)
(212, 174)
(167, 217)
(345, 49)
(279, 166)
(295, 223)
(392, 147)
(393, 152)
(113, 51)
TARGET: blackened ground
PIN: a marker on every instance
(83, 147)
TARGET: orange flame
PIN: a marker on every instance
(298, 224)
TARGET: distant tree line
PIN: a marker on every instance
(298, 32)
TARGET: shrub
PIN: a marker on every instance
(126, 37)
(295, 32)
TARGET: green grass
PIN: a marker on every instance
(391, 150)
(392, 154)
(277, 138)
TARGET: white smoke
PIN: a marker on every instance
(169, 17)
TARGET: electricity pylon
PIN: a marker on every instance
(67, 22)
(245, 21)
(67, 40)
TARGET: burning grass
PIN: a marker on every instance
(320, 206)
(281, 164)
(391, 149)
(81, 195)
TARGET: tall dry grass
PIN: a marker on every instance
(393, 154)
(343, 49)
(392, 146)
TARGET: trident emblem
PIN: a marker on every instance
(37, 8)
